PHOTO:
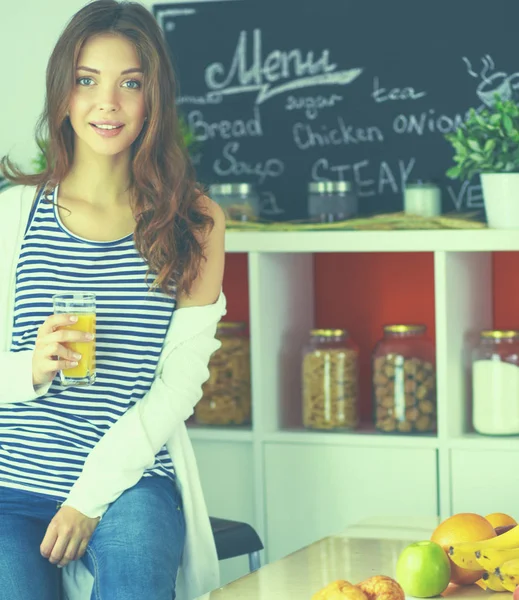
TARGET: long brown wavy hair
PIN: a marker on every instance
(163, 186)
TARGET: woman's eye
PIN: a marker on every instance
(80, 79)
(138, 86)
(135, 84)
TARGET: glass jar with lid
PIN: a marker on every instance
(330, 380)
(495, 383)
(422, 199)
(239, 201)
(330, 201)
(226, 396)
(404, 380)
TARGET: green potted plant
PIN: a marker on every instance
(488, 144)
(39, 163)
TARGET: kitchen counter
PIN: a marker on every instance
(368, 548)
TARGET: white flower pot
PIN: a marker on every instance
(501, 196)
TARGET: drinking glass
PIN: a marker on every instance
(82, 305)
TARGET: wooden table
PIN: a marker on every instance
(369, 548)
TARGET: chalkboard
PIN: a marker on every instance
(280, 93)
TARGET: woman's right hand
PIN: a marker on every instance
(50, 355)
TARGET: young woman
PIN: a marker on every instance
(102, 479)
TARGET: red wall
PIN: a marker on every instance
(506, 290)
(236, 287)
(362, 292)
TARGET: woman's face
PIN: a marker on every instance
(105, 91)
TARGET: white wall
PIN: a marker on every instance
(28, 31)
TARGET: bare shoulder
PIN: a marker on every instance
(207, 286)
(214, 210)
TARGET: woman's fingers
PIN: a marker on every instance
(51, 353)
(71, 551)
(82, 549)
(53, 322)
(47, 545)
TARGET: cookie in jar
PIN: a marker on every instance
(404, 381)
(226, 396)
(330, 381)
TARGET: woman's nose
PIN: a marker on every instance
(108, 99)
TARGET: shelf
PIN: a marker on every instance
(457, 282)
(475, 441)
(458, 240)
(220, 433)
(365, 436)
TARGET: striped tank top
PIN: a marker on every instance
(45, 442)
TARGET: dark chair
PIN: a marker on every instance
(234, 538)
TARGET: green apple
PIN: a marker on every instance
(423, 569)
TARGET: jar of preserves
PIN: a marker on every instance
(423, 199)
(239, 201)
(495, 383)
(330, 380)
(226, 396)
(330, 201)
(404, 381)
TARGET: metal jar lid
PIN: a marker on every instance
(328, 332)
(329, 187)
(499, 334)
(228, 189)
(407, 328)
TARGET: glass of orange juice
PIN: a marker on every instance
(83, 305)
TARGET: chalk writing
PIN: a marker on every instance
(165, 20)
(304, 70)
(370, 179)
(201, 100)
(469, 195)
(380, 94)
(310, 104)
(282, 94)
(268, 205)
(202, 130)
(306, 137)
(230, 165)
(493, 83)
(427, 122)
(196, 158)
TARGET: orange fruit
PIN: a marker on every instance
(500, 520)
(463, 527)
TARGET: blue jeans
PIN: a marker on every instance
(133, 553)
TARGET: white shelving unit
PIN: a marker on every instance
(295, 486)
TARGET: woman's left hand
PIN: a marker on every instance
(67, 536)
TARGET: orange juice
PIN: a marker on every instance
(86, 365)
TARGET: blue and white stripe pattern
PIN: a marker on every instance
(44, 442)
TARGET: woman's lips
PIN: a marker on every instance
(107, 132)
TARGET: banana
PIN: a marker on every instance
(490, 558)
(493, 582)
(482, 584)
(508, 585)
(464, 554)
(464, 557)
(508, 573)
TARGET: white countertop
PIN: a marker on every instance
(369, 548)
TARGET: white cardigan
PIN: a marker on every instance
(129, 446)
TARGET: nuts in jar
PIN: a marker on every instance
(239, 201)
(404, 381)
(226, 396)
(330, 381)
